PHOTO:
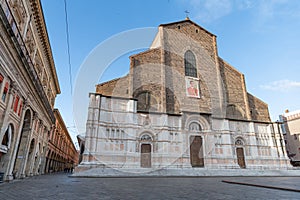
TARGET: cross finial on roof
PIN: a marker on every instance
(187, 14)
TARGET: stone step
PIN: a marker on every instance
(191, 172)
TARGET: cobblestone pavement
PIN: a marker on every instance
(60, 186)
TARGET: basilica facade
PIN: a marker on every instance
(180, 106)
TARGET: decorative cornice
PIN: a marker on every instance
(39, 20)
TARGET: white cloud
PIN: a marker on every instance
(268, 9)
(210, 10)
(281, 85)
(244, 4)
(264, 10)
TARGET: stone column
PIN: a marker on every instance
(14, 146)
(27, 147)
(31, 161)
(44, 148)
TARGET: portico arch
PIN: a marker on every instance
(30, 157)
(37, 158)
(22, 146)
(5, 147)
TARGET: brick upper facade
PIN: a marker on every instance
(160, 73)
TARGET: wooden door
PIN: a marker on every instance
(240, 157)
(196, 151)
(146, 155)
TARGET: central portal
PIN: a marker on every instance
(146, 155)
(196, 151)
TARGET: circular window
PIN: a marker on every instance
(239, 142)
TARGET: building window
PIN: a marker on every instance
(37, 126)
(1, 79)
(107, 133)
(122, 134)
(173, 137)
(16, 103)
(20, 108)
(6, 87)
(6, 140)
(117, 134)
(190, 64)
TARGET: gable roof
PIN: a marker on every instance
(190, 21)
(110, 81)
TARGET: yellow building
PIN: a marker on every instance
(28, 88)
(62, 154)
(291, 127)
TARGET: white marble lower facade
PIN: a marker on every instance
(118, 136)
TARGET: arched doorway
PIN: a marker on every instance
(196, 151)
(5, 146)
(146, 151)
(196, 146)
(21, 150)
(240, 153)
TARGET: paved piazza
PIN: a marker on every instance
(60, 186)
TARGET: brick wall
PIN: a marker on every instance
(177, 39)
(160, 71)
(259, 109)
(147, 75)
(235, 91)
(176, 86)
(196, 33)
(117, 87)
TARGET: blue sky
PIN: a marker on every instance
(260, 38)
